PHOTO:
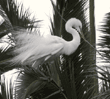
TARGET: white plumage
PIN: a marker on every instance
(32, 48)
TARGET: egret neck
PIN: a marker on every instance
(75, 41)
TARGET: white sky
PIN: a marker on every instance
(42, 10)
(101, 7)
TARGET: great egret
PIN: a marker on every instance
(36, 50)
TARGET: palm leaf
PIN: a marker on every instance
(71, 77)
(7, 84)
(76, 65)
(104, 41)
(104, 48)
(14, 17)
(6, 25)
(72, 73)
(31, 82)
(16, 13)
(27, 82)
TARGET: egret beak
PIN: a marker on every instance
(80, 32)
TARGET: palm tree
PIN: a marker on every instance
(104, 48)
(75, 66)
(12, 16)
(69, 77)
(75, 8)
(92, 40)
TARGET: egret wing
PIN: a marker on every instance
(39, 54)
(33, 48)
(55, 51)
(43, 53)
(47, 51)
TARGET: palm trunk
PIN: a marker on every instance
(93, 42)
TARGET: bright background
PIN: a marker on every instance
(101, 8)
(42, 9)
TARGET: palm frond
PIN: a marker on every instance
(7, 84)
(104, 48)
(15, 17)
(72, 72)
(5, 26)
(16, 13)
(35, 83)
(69, 78)
(28, 82)
(104, 41)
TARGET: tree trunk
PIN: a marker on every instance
(93, 42)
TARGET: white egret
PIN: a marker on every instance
(36, 50)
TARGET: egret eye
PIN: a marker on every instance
(73, 27)
(80, 29)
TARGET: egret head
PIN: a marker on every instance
(75, 24)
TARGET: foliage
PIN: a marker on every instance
(75, 71)
(104, 41)
(15, 16)
(16, 13)
(5, 25)
(69, 77)
(104, 47)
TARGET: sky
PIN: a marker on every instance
(42, 9)
(101, 8)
